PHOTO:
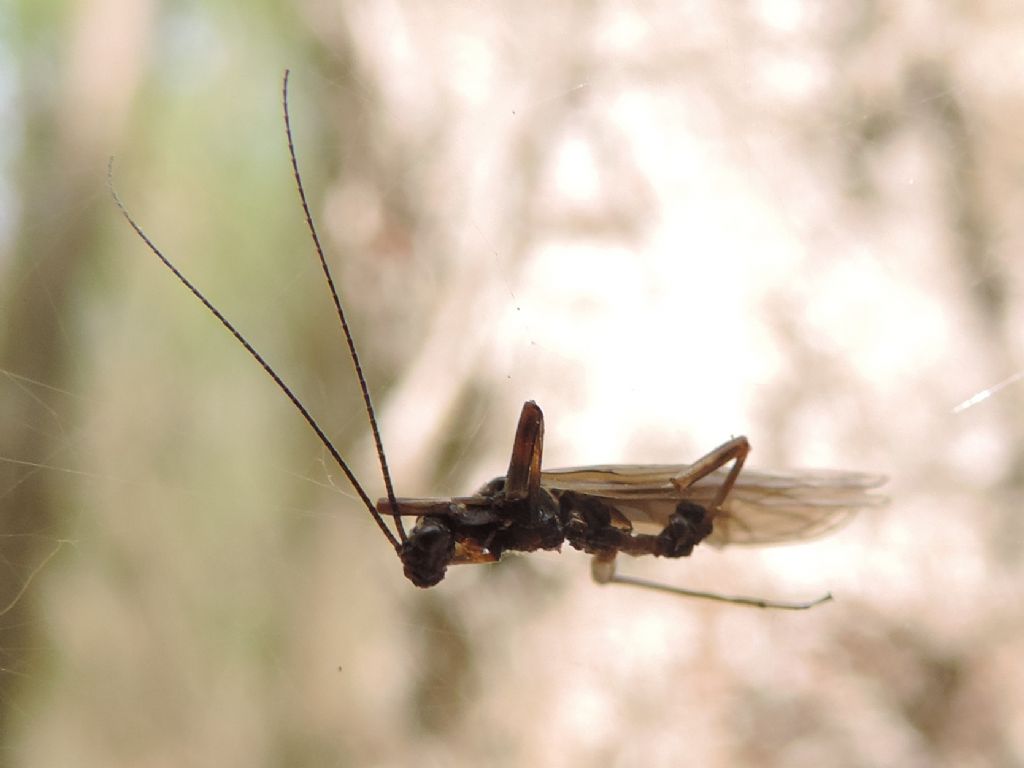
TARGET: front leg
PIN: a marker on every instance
(528, 515)
(522, 483)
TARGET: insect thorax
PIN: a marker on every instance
(595, 526)
(481, 528)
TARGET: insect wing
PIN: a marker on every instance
(762, 508)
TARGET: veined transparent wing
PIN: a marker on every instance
(762, 508)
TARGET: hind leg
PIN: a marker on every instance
(734, 450)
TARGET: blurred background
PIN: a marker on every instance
(666, 223)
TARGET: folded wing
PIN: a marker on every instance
(762, 508)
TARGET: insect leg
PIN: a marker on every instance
(602, 569)
(755, 602)
(530, 515)
(523, 479)
(605, 542)
(734, 450)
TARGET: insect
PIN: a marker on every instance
(659, 510)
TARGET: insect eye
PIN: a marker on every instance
(428, 551)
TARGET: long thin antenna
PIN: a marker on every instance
(259, 359)
(341, 313)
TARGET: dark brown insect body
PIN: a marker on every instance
(662, 510)
(516, 513)
(659, 510)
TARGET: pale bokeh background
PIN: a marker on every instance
(668, 224)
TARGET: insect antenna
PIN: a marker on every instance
(370, 413)
(335, 454)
